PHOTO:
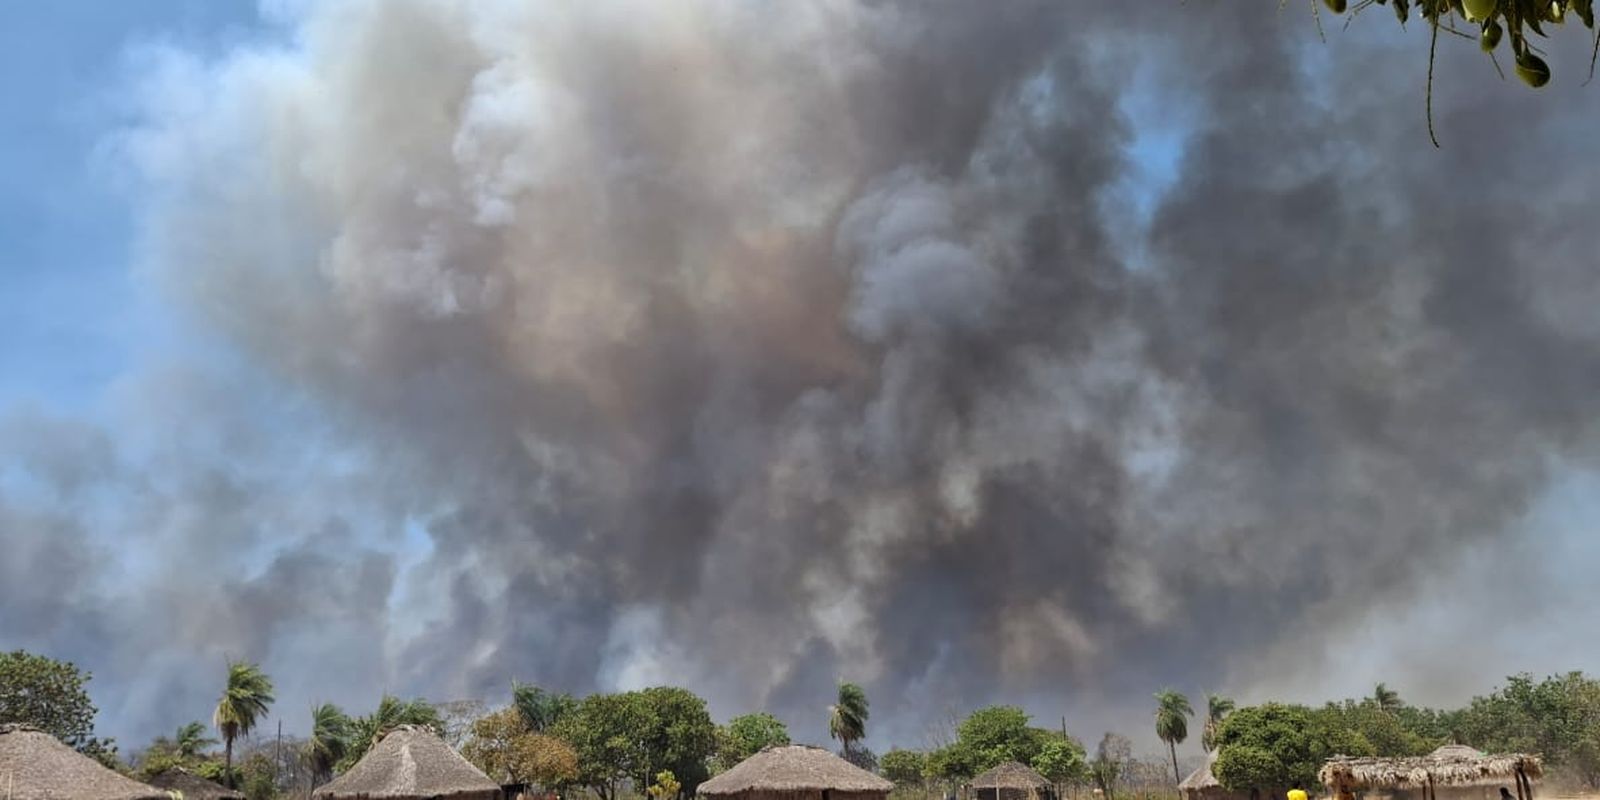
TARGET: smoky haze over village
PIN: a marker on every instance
(1040, 353)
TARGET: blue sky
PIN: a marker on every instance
(74, 313)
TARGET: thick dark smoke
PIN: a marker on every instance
(748, 346)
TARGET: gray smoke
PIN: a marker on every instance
(749, 346)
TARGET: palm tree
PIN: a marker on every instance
(392, 712)
(847, 718)
(1172, 724)
(1217, 709)
(540, 709)
(1386, 698)
(330, 740)
(244, 702)
(191, 739)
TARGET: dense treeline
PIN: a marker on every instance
(1278, 744)
(662, 742)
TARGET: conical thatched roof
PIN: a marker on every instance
(1011, 775)
(36, 766)
(410, 763)
(1201, 778)
(1451, 765)
(794, 768)
(193, 786)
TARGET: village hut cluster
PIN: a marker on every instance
(412, 763)
(409, 763)
(1453, 772)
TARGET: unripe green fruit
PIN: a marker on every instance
(1489, 39)
(1479, 10)
(1532, 70)
(1336, 6)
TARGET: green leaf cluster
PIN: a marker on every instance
(50, 695)
(746, 735)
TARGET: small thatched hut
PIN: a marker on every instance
(796, 772)
(192, 786)
(1454, 772)
(1202, 784)
(1012, 780)
(36, 766)
(410, 763)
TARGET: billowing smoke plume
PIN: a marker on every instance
(748, 346)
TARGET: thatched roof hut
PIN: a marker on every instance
(410, 763)
(1449, 767)
(1012, 780)
(796, 772)
(1202, 784)
(36, 766)
(192, 786)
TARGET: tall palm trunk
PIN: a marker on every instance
(227, 761)
(1173, 746)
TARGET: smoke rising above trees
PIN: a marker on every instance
(742, 347)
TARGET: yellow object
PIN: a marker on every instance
(1297, 794)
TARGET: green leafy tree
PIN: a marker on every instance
(847, 717)
(391, 713)
(678, 736)
(603, 731)
(1274, 745)
(904, 767)
(1172, 723)
(1249, 767)
(50, 695)
(1365, 728)
(746, 735)
(1558, 717)
(157, 759)
(951, 764)
(997, 734)
(540, 709)
(211, 771)
(245, 699)
(1112, 758)
(1217, 709)
(1061, 760)
(331, 731)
